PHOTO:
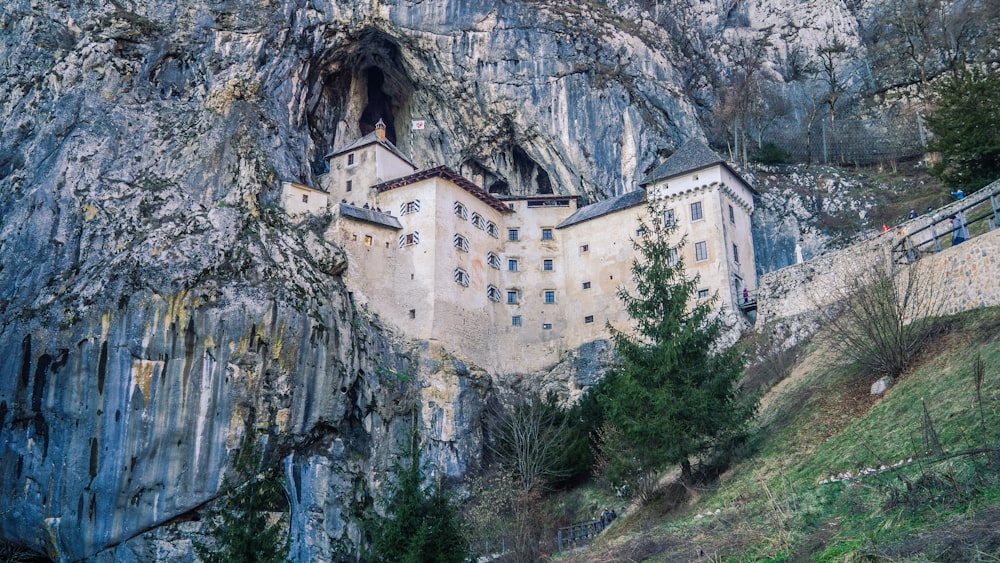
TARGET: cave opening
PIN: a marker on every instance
(351, 86)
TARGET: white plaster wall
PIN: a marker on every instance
(388, 166)
(292, 195)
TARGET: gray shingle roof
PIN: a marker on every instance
(368, 140)
(617, 203)
(370, 215)
(693, 155)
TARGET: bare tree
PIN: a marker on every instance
(879, 318)
(529, 441)
(831, 57)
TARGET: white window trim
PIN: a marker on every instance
(461, 277)
(493, 260)
(461, 210)
(701, 209)
(461, 243)
(702, 242)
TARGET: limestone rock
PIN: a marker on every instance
(881, 385)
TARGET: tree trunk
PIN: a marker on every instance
(686, 476)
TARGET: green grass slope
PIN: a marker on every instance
(835, 474)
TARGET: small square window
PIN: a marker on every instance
(512, 297)
(350, 185)
(550, 296)
(702, 294)
(588, 319)
(511, 265)
(584, 248)
(547, 265)
(413, 313)
(546, 326)
(696, 213)
(305, 198)
(511, 234)
(546, 234)
(369, 240)
(515, 320)
(586, 285)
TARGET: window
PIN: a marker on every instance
(673, 257)
(700, 251)
(409, 207)
(413, 313)
(512, 296)
(696, 214)
(493, 260)
(588, 319)
(736, 254)
(702, 294)
(409, 239)
(668, 218)
(586, 285)
(546, 234)
(369, 240)
(461, 211)
(305, 198)
(547, 265)
(732, 216)
(584, 248)
(550, 296)
(350, 159)
(640, 232)
(511, 234)
(492, 230)
(478, 221)
(511, 265)
(546, 326)
(461, 243)
(461, 277)
(350, 185)
(515, 320)
(493, 293)
(354, 238)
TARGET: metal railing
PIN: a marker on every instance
(951, 221)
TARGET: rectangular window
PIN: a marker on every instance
(492, 229)
(668, 218)
(350, 159)
(461, 243)
(702, 294)
(546, 326)
(673, 257)
(584, 248)
(547, 265)
(511, 265)
(413, 313)
(478, 221)
(696, 214)
(515, 320)
(586, 285)
(492, 293)
(700, 251)
(493, 260)
(736, 254)
(588, 319)
(369, 240)
(546, 234)
(409, 239)
(550, 296)
(409, 207)
(732, 216)
(512, 296)
(350, 185)
(461, 211)
(511, 234)
(461, 277)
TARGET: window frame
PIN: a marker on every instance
(547, 233)
(736, 253)
(669, 218)
(493, 293)
(515, 320)
(462, 277)
(548, 265)
(409, 239)
(513, 297)
(513, 265)
(408, 207)
(588, 319)
(549, 297)
(349, 185)
(701, 247)
(732, 214)
(351, 161)
(460, 242)
(493, 260)
(461, 211)
(700, 214)
(492, 230)
(478, 221)
(586, 285)
(513, 235)
(702, 294)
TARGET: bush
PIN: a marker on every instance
(771, 153)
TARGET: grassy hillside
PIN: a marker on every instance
(922, 459)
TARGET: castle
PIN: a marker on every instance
(513, 283)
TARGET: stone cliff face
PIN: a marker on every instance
(154, 303)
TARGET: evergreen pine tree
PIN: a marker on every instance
(966, 126)
(243, 531)
(672, 394)
(420, 525)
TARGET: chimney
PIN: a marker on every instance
(380, 130)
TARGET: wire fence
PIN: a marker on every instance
(857, 142)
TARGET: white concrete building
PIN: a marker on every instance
(512, 284)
